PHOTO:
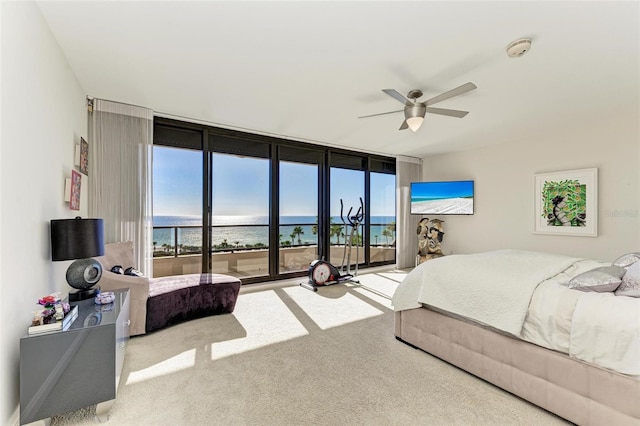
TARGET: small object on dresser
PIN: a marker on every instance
(45, 328)
(37, 328)
(48, 316)
(59, 312)
(37, 317)
(105, 298)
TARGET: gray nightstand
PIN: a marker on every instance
(66, 370)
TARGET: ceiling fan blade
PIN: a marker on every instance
(449, 112)
(382, 113)
(404, 125)
(397, 96)
(451, 93)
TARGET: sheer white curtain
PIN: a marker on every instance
(120, 158)
(408, 169)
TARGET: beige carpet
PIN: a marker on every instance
(289, 356)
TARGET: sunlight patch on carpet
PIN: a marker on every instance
(379, 287)
(266, 320)
(374, 295)
(395, 275)
(172, 365)
(329, 312)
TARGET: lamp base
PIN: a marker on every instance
(78, 295)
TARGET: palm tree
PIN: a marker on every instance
(337, 231)
(237, 243)
(298, 231)
(155, 243)
(391, 228)
(314, 228)
(293, 237)
(386, 233)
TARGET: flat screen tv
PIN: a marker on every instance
(453, 197)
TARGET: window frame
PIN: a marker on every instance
(209, 139)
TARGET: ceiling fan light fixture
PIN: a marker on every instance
(414, 123)
(415, 111)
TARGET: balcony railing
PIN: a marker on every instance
(244, 252)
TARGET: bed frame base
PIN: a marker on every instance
(577, 391)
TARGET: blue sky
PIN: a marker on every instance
(177, 182)
(439, 190)
(240, 186)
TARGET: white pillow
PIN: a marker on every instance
(630, 282)
(602, 279)
(627, 260)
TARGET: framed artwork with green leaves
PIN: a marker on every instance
(567, 203)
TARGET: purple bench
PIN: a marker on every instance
(180, 298)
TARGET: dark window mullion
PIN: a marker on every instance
(206, 203)
(367, 214)
(274, 211)
(325, 208)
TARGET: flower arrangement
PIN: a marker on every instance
(53, 309)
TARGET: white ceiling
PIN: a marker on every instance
(306, 70)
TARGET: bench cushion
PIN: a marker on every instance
(180, 298)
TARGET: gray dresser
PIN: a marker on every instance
(66, 370)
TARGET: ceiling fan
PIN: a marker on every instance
(414, 111)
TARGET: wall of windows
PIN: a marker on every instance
(263, 208)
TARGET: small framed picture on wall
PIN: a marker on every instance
(74, 198)
(84, 157)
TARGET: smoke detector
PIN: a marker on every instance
(519, 47)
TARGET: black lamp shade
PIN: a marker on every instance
(76, 238)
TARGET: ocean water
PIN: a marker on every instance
(245, 230)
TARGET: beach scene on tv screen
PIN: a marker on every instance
(442, 197)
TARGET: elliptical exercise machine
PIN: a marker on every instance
(354, 223)
(323, 273)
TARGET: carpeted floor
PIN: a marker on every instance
(289, 356)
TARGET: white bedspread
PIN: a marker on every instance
(606, 331)
(526, 294)
(550, 314)
(599, 328)
(493, 288)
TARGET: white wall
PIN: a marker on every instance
(504, 176)
(43, 117)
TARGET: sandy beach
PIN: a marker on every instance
(444, 206)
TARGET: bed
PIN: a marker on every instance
(518, 319)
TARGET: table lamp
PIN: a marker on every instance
(79, 239)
